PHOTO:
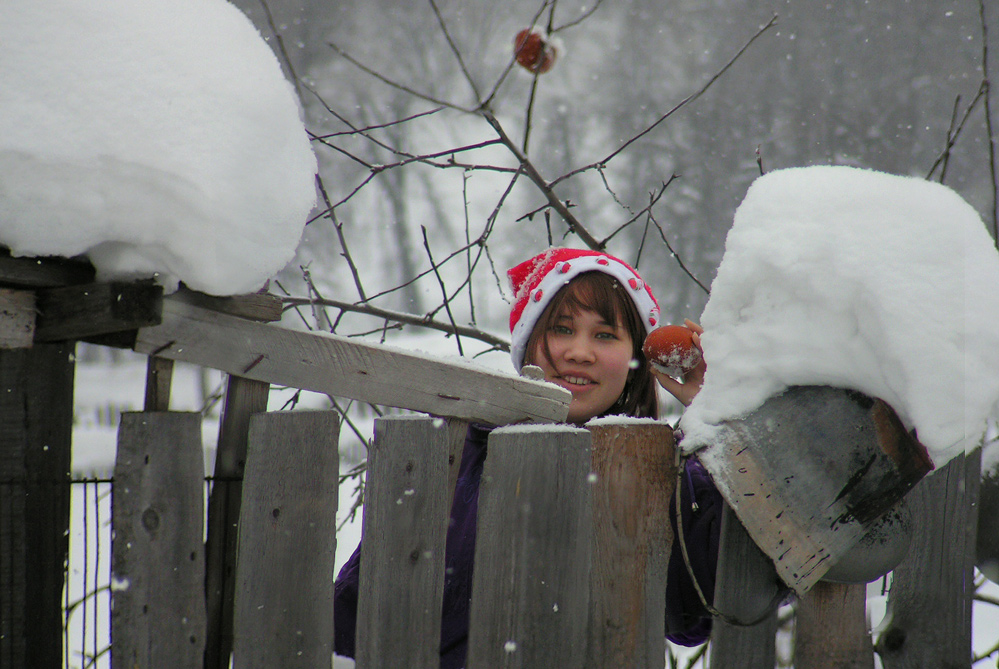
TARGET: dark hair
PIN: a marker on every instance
(603, 294)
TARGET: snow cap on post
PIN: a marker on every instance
(536, 281)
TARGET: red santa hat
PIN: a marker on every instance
(535, 282)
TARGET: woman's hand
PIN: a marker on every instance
(687, 389)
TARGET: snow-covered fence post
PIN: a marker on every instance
(287, 542)
(933, 588)
(401, 582)
(532, 555)
(36, 416)
(158, 612)
(635, 476)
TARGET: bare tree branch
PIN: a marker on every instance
(440, 280)
(498, 343)
(543, 186)
(676, 255)
(987, 83)
(455, 50)
(690, 98)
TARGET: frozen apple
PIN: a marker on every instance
(534, 51)
(671, 350)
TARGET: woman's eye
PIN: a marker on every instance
(606, 335)
(561, 329)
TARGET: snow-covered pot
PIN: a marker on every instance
(816, 475)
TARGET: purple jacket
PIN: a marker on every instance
(687, 622)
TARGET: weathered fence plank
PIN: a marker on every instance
(401, 581)
(159, 378)
(635, 478)
(17, 318)
(831, 628)
(530, 587)
(341, 367)
(933, 588)
(243, 398)
(158, 605)
(77, 312)
(746, 588)
(36, 416)
(287, 542)
(34, 272)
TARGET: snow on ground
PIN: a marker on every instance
(856, 279)
(158, 137)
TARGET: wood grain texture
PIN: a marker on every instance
(532, 556)
(831, 628)
(745, 587)
(401, 581)
(345, 368)
(17, 318)
(635, 479)
(36, 418)
(933, 588)
(287, 542)
(158, 596)
(78, 312)
(243, 398)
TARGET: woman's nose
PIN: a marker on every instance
(579, 350)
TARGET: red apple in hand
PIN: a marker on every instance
(671, 350)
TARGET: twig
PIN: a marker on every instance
(955, 132)
(394, 84)
(284, 52)
(676, 255)
(652, 201)
(455, 51)
(331, 213)
(447, 302)
(410, 319)
(543, 186)
(485, 104)
(988, 122)
(690, 98)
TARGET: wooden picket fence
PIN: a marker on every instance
(573, 538)
(570, 562)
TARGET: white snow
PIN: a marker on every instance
(857, 279)
(158, 137)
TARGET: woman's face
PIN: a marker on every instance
(591, 359)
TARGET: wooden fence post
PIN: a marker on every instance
(635, 479)
(929, 603)
(745, 586)
(831, 628)
(243, 398)
(532, 556)
(401, 580)
(287, 542)
(158, 605)
(36, 417)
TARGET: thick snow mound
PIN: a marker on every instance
(857, 279)
(158, 137)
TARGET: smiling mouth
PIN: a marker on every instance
(577, 381)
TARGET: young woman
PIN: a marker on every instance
(582, 317)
